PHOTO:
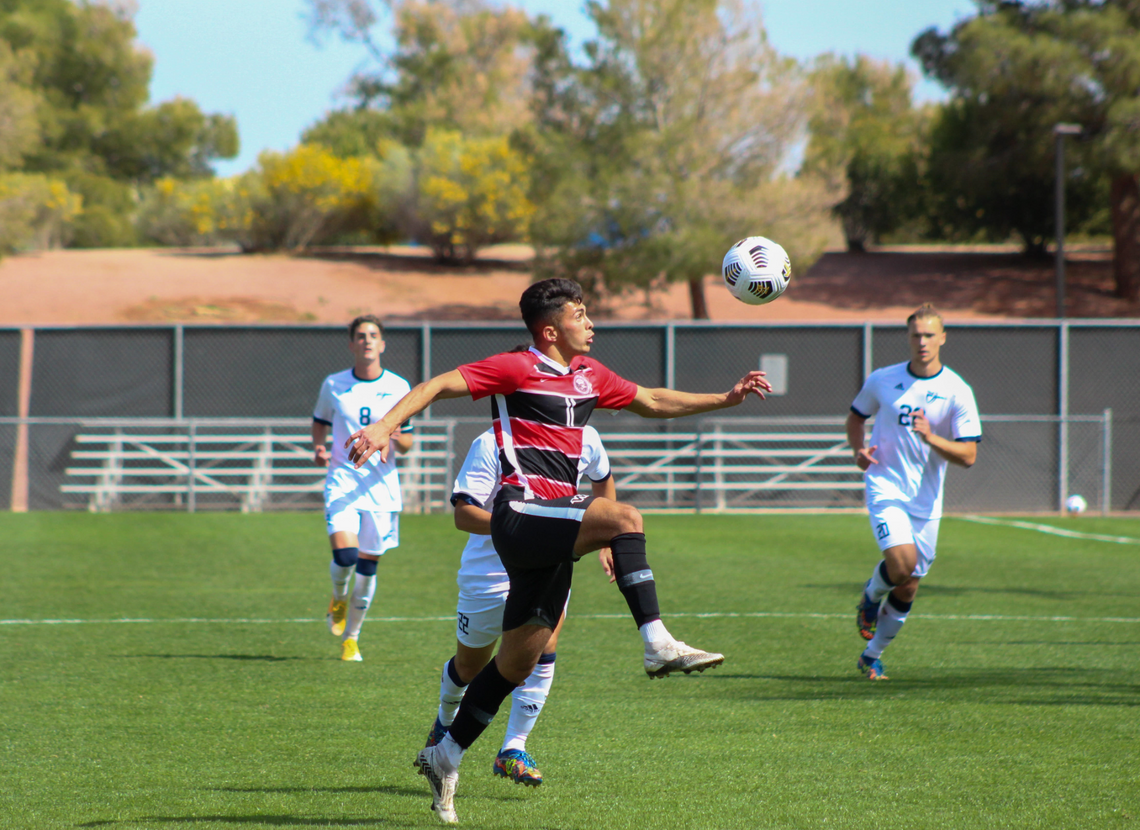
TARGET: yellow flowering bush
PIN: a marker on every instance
(298, 198)
(470, 192)
(36, 212)
(189, 213)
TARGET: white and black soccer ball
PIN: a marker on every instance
(1076, 504)
(756, 270)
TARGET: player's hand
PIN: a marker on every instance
(364, 442)
(606, 557)
(321, 456)
(753, 382)
(865, 457)
(920, 425)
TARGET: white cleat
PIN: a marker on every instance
(443, 779)
(662, 659)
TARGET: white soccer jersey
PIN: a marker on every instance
(347, 403)
(480, 570)
(909, 471)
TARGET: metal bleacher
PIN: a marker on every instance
(722, 464)
(738, 463)
(228, 463)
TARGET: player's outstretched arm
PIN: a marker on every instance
(671, 403)
(376, 437)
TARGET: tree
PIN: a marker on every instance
(19, 128)
(174, 139)
(1017, 69)
(664, 146)
(351, 132)
(87, 78)
(866, 136)
(460, 65)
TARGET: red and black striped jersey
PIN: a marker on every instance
(539, 409)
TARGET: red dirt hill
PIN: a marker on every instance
(193, 286)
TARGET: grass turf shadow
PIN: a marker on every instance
(268, 658)
(854, 589)
(1031, 687)
(277, 821)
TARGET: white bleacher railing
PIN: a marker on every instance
(260, 465)
(717, 463)
(254, 465)
(738, 463)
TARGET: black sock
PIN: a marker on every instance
(899, 605)
(453, 674)
(480, 703)
(634, 579)
(885, 574)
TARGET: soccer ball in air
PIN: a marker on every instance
(1076, 504)
(756, 270)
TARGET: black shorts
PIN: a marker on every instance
(537, 596)
(535, 539)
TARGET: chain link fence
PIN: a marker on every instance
(1054, 380)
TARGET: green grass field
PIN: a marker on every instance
(189, 682)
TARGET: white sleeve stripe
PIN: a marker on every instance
(529, 508)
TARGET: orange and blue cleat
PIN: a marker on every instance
(518, 766)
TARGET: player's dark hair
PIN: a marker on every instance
(361, 320)
(542, 300)
(926, 311)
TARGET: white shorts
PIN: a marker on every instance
(376, 531)
(479, 618)
(892, 526)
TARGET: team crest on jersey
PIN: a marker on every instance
(582, 384)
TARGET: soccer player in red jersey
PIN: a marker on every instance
(541, 400)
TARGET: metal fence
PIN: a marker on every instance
(1044, 386)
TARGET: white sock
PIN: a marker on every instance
(362, 593)
(655, 632)
(450, 696)
(340, 579)
(877, 587)
(526, 704)
(452, 752)
(890, 621)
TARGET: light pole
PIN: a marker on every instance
(1059, 133)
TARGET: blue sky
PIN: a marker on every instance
(252, 58)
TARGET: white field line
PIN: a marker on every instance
(699, 615)
(1054, 531)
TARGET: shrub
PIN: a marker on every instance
(184, 213)
(298, 198)
(469, 193)
(36, 212)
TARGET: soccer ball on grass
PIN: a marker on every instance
(756, 270)
(1076, 504)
